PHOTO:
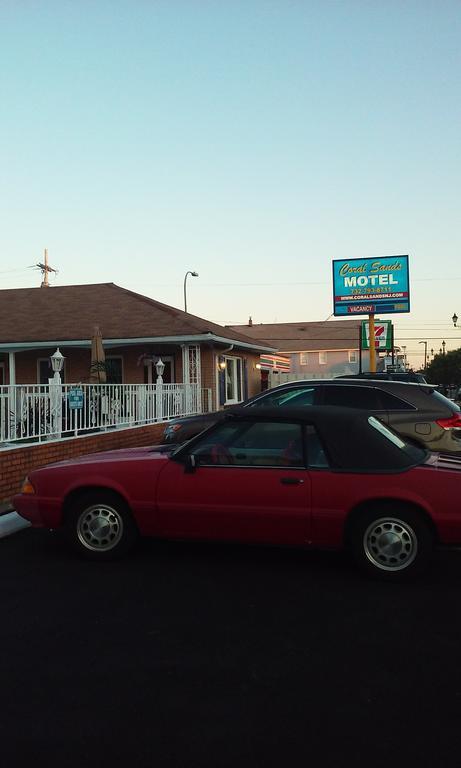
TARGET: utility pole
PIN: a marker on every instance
(45, 270)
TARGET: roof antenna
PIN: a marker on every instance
(45, 269)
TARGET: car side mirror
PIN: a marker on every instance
(190, 465)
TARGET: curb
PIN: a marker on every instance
(11, 523)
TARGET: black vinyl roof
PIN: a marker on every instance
(351, 442)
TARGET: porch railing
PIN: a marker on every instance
(42, 412)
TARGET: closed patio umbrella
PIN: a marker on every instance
(98, 359)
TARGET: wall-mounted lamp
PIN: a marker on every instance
(222, 365)
(258, 366)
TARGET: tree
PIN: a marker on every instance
(445, 369)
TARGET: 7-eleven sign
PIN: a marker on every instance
(383, 334)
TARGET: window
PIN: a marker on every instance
(252, 444)
(316, 456)
(393, 403)
(2, 374)
(353, 356)
(114, 370)
(304, 358)
(352, 397)
(233, 380)
(386, 432)
(322, 358)
(298, 396)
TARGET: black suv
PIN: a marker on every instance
(416, 411)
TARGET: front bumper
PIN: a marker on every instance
(40, 512)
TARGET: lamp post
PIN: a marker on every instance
(159, 367)
(194, 274)
(443, 347)
(404, 349)
(57, 364)
(55, 387)
(455, 319)
(425, 353)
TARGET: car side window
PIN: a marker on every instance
(393, 403)
(352, 397)
(316, 456)
(298, 396)
(252, 444)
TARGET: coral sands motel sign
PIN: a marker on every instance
(366, 286)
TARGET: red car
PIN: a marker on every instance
(327, 478)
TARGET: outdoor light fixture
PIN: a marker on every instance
(455, 319)
(222, 364)
(57, 361)
(160, 367)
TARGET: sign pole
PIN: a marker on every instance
(360, 348)
(371, 322)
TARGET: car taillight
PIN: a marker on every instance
(454, 422)
(27, 487)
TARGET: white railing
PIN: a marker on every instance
(44, 412)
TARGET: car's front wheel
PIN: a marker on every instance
(99, 526)
(391, 542)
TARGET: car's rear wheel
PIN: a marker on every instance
(391, 542)
(100, 526)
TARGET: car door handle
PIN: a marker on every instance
(291, 481)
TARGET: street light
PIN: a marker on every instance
(194, 274)
(443, 347)
(425, 353)
(455, 319)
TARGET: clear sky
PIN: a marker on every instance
(253, 141)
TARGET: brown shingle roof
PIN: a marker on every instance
(70, 312)
(303, 337)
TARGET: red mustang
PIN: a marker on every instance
(316, 477)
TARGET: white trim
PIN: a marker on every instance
(196, 339)
(11, 368)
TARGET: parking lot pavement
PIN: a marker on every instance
(222, 655)
(11, 522)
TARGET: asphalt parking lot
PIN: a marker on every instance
(222, 655)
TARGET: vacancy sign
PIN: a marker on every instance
(383, 334)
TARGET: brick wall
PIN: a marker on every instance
(16, 463)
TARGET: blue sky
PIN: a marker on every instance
(253, 142)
